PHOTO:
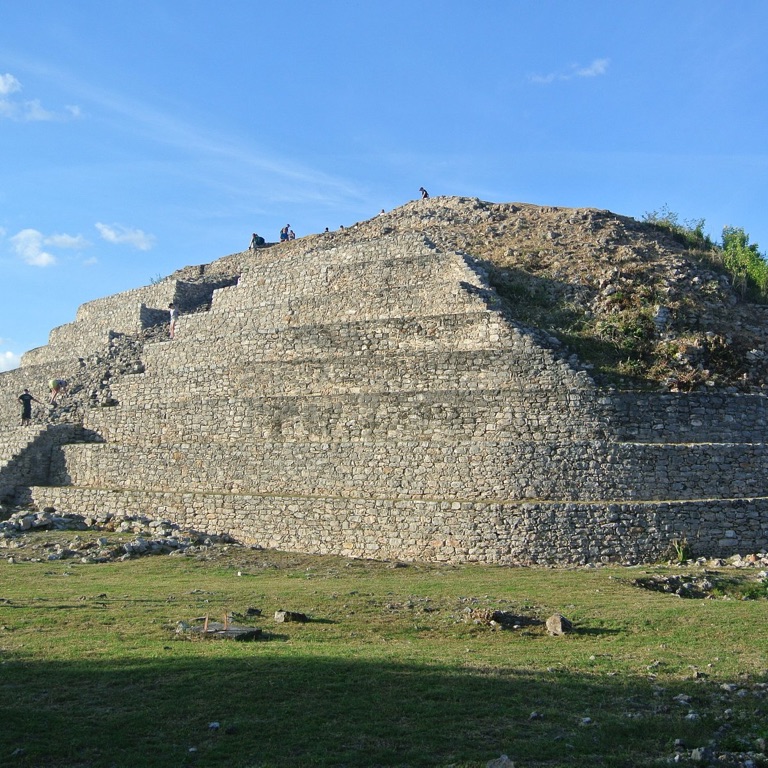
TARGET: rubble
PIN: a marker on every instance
(149, 537)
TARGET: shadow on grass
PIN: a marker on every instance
(595, 632)
(301, 711)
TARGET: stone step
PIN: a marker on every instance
(218, 344)
(689, 417)
(129, 312)
(264, 311)
(328, 252)
(410, 468)
(436, 415)
(240, 310)
(504, 532)
(301, 277)
(420, 372)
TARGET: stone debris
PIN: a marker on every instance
(284, 616)
(228, 629)
(558, 625)
(497, 619)
(500, 762)
(152, 537)
(702, 586)
(217, 630)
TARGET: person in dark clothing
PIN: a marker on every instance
(424, 193)
(26, 401)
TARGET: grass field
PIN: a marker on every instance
(391, 670)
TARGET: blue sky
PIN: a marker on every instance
(139, 136)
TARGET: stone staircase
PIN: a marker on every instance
(125, 313)
(375, 400)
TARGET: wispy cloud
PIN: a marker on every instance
(67, 241)
(279, 177)
(31, 245)
(28, 110)
(597, 68)
(118, 234)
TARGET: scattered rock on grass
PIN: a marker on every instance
(500, 762)
(283, 616)
(558, 625)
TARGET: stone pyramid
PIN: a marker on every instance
(373, 398)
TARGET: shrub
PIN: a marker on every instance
(689, 232)
(747, 267)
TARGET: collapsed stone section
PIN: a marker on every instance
(376, 399)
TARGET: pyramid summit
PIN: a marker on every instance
(397, 390)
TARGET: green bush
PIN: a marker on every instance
(746, 266)
(689, 232)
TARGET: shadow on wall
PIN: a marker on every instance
(33, 465)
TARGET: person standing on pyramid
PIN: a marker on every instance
(26, 401)
(174, 316)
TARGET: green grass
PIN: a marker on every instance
(387, 673)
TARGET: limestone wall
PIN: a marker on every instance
(516, 414)
(407, 468)
(689, 417)
(446, 530)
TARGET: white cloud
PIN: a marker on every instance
(118, 234)
(595, 69)
(8, 84)
(30, 246)
(34, 111)
(9, 360)
(28, 110)
(67, 241)
(542, 79)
